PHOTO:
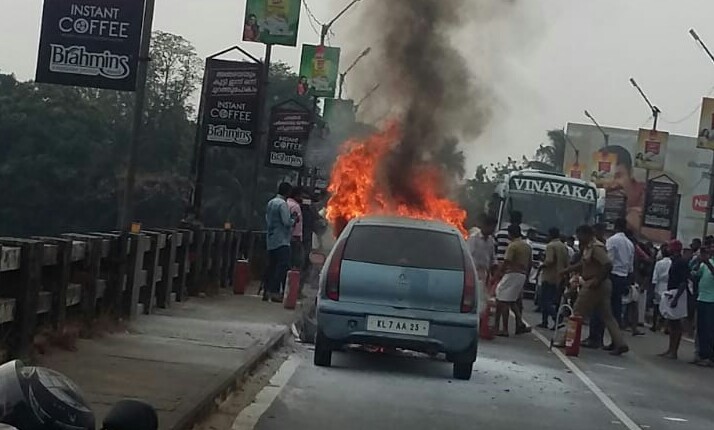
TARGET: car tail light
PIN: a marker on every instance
(332, 285)
(468, 300)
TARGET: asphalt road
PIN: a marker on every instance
(517, 384)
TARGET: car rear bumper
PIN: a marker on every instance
(346, 323)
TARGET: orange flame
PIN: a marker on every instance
(356, 192)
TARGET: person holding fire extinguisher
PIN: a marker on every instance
(595, 293)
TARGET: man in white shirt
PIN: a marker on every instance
(482, 247)
(621, 251)
(660, 281)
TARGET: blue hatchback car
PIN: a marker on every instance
(402, 283)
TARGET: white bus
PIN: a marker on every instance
(546, 200)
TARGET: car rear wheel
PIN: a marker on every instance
(463, 370)
(323, 352)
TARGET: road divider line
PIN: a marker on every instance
(604, 398)
(249, 417)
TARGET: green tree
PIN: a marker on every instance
(451, 158)
(62, 148)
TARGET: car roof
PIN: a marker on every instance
(404, 222)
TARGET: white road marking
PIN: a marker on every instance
(604, 398)
(679, 420)
(610, 366)
(249, 417)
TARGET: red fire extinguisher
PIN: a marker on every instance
(241, 277)
(573, 334)
(292, 287)
(487, 323)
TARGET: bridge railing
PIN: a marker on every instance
(47, 281)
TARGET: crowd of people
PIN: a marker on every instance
(291, 220)
(606, 280)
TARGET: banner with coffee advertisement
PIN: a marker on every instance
(288, 137)
(231, 103)
(90, 43)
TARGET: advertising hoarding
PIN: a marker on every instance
(90, 43)
(231, 103)
(685, 164)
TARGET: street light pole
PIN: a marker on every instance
(708, 214)
(607, 136)
(655, 110)
(368, 95)
(126, 210)
(572, 145)
(349, 69)
(326, 27)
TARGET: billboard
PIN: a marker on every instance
(651, 149)
(90, 43)
(339, 113)
(231, 103)
(273, 22)
(706, 125)
(613, 168)
(319, 70)
(288, 136)
(660, 205)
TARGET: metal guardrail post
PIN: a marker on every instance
(167, 261)
(197, 262)
(183, 253)
(26, 295)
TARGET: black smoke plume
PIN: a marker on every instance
(428, 82)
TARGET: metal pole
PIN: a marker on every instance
(701, 42)
(126, 210)
(263, 142)
(708, 214)
(352, 66)
(326, 27)
(368, 95)
(607, 136)
(710, 204)
(655, 110)
(199, 156)
(342, 83)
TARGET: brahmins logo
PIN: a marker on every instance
(556, 188)
(77, 60)
(224, 134)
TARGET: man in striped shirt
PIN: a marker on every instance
(502, 240)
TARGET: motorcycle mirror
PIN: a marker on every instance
(131, 415)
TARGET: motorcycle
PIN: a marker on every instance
(37, 398)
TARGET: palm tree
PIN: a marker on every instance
(553, 154)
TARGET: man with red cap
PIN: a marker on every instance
(679, 275)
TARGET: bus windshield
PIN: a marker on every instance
(543, 212)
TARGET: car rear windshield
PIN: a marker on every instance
(405, 247)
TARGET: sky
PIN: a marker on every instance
(545, 61)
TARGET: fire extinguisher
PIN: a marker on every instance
(487, 323)
(573, 334)
(292, 287)
(241, 277)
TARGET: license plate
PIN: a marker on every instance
(398, 325)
